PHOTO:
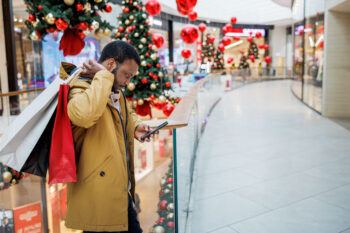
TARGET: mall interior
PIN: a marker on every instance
(256, 94)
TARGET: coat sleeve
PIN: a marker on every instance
(86, 106)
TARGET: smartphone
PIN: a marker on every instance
(154, 130)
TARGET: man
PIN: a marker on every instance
(104, 130)
(5, 226)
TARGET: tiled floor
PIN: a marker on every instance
(268, 164)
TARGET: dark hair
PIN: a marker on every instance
(120, 51)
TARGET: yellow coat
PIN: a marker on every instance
(99, 200)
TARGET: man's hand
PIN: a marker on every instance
(140, 131)
(90, 68)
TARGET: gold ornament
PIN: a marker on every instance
(2, 185)
(134, 103)
(142, 57)
(144, 16)
(135, 3)
(107, 32)
(140, 46)
(131, 17)
(124, 39)
(154, 47)
(34, 36)
(35, 23)
(68, 2)
(142, 27)
(14, 182)
(95, 25)
(163, 181)
(162, 98)
(154, 56)
(143, 63)
(127, 22)
(140, 102)
(144, 40)
(160, 74)
(136, 34)
(170, 206)
(87, 7)
(98, 1)
(7, 176)
(158, 229)
(170, 216)
(137, 73)
(131, 86)
(50, 19)
(166, 191)
(153, 86)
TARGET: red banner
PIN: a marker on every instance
(28, 218)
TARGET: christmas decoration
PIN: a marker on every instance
(158, 40)
(253, 51)
(233, 20)
(150, 81)
(243, 64)
(189, 34)
(8, 177)
(192, 16)
(258, 35)
(208, 48)
(69, 16)
(185, 6)
(250, 39)
(268, 59)
(229, 60)
(226, 40)
(186, 53)
(153, 7)
(236, 38)
(218, 60)
(202, 27)
(166, 221)
(221, 47)
(227, 28)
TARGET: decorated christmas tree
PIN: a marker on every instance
(253, 51)
(151, 82)
(243, 64)
(218, 60)
(166, 221)
(8, 177)
(208, 49)
(76, 18)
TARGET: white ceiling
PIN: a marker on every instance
(246, 11)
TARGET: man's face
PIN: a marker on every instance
(5, 221)
(125, 72)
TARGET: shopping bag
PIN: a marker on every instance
(26, 144)
(62, 168)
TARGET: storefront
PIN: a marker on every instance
(309, 56)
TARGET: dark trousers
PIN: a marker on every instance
(134, 224)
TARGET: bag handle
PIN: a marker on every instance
(73, 75)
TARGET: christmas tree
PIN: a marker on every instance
(8, 177)
(243, 64)
(208, 49)
(166, 221)
(253, 51)
(151, 82)
(218, 60)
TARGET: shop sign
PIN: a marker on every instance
(28, 218)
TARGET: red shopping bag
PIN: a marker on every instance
(62, 166)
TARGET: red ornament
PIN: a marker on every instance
(227, 28)
(71, 43)
(189, 34)
(170, 180)
(185, 6)
(261, 46)
(221, 47)
(163, 204)
(126, 10)
(155, 77)
(108, 8)
(186, 53)
(144, 81)
(158, 40)
(51, 29)
(161, 220)
(171, 224)
(226, 40)
(250, 39)
(233, 20)
(211, 39)
(202, 27)
(167, 84)
(79, 7)
(150, 74)
(82, 26)
(40, 8)
(81, 35)
(266, 46)
(148, 33)
(268, 59)
(61, 24)
(144, 110)
(252, 58)
(192, 16)
(258, 35)
(229, 60)
(31, 18)
(158, 66)
(147, 54)
(153, 7)
(236, 38)
(168, 109)
(149, 65)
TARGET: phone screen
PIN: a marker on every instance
(154, 130)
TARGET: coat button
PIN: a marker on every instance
(102, 173)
